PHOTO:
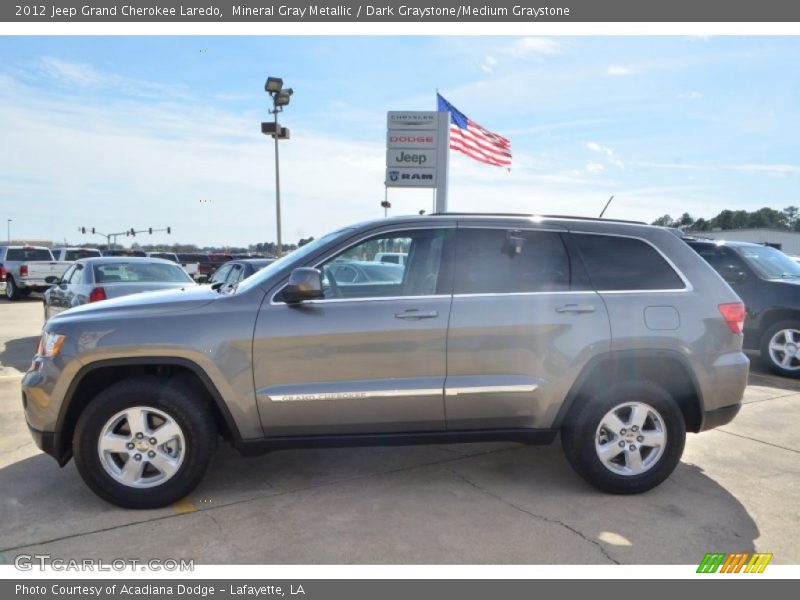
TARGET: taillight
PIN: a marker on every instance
(23, 270)
(733, 313)
(97, 294)
(3, 273)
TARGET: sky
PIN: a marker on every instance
(137, 132)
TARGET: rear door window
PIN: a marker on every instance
(616, 263)
(496, 261)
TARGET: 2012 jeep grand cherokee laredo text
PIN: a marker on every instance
(617, 335)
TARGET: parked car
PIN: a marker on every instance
(191, 268)
(394, 258)
(124, 252)
(93, 279)
(73, 254)
(233, 271)
(768, 282)
(217, 259)
(616, 335)
(171, 256)
(29, 269)
(363, 272)
(196, 264)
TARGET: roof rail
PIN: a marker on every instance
(572, 217)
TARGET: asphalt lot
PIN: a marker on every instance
(736, 490)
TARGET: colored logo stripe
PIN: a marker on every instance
(734, 562)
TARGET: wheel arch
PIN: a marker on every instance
(666, 368)
(772, 316)
(97, 376)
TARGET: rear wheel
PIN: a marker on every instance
(12, 292)
(626, 439)
(780, 348)
(144, 443)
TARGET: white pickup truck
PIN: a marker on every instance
(29, 269)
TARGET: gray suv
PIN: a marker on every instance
(615, 334)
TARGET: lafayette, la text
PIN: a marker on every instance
(250, 590)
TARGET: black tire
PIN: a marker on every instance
(12, 292)
(579, 435)
(766, 357)
(192, 415)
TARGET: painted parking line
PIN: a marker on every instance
(184, 506)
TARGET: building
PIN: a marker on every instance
(782, 239)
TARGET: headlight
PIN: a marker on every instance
(50, 344)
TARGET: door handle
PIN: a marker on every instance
(575, 308)
(415, 314)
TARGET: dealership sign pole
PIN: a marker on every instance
(416, 152)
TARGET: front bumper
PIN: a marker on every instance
(45, 441)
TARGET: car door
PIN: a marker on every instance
(56, 295)
(522, 324)
(77, 289)
(369, 357)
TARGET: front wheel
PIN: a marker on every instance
(627, 439)
(780, 348)
(144, 443)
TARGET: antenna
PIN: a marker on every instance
(602, 212)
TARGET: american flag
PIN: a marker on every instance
(473, 140)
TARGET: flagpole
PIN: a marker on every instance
(442, 158)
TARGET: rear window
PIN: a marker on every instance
(164, 255)
(78, 254)
(139, 273)
(625, 264)
(29, 254)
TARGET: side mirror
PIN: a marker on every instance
(305, 283)
(51, 279)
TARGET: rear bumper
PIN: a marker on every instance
(720, 416)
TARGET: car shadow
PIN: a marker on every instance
(501, 504)
(18, 353)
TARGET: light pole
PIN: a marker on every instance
(280, 98)
(8, 230)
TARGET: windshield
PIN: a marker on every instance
(768, 262)
(298, 255)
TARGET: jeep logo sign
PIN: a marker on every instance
(410, 158)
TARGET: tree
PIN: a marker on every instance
(686, 220)
(664, 221)
(791, 216)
